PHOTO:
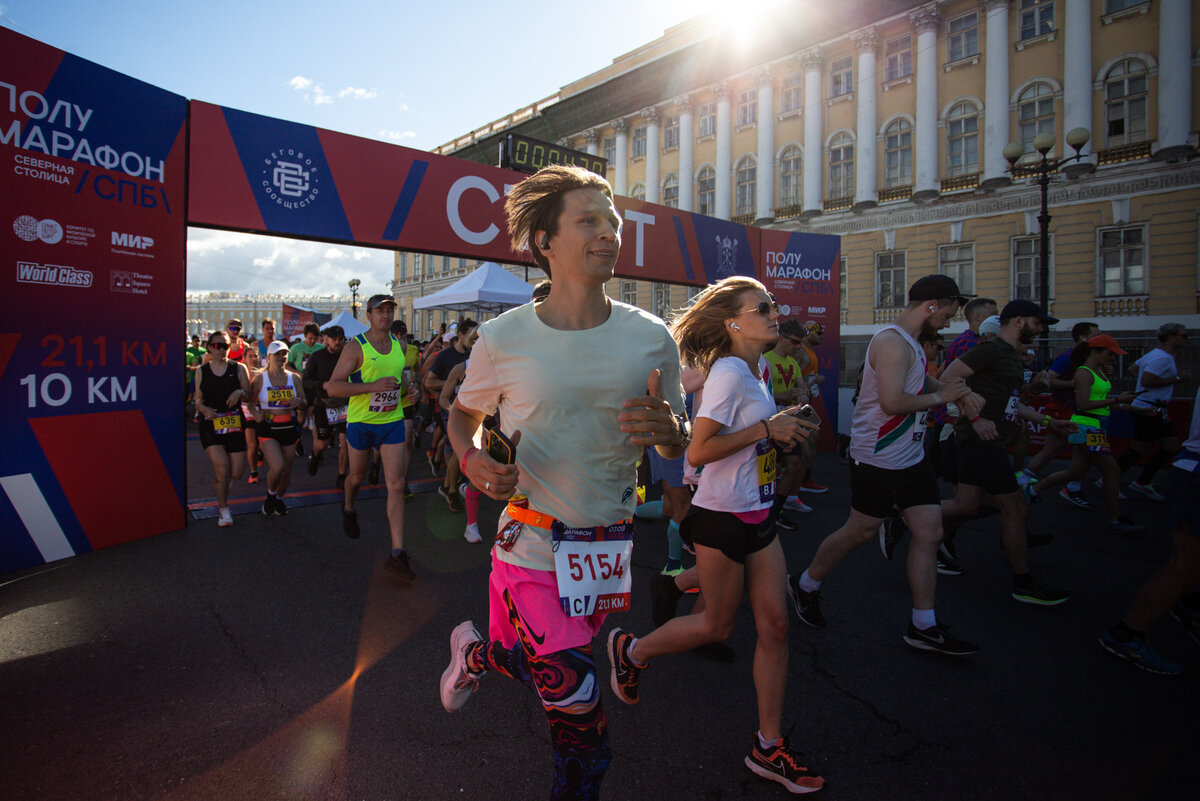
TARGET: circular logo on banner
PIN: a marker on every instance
(785, 310)
(26, 227)
(50, 232)
(289, 178)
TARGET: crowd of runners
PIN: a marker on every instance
(551, 407)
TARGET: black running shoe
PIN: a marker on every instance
(280, 507)
(947, 559)
(937, 638)
(350, 524)
(313, 463)
(299, 447)
(785, 523)
(780, 764)
(664, 595)
(399, 566)
(891, 531)
(268, 507)
(1037, 592)
(808, 604)
(624, 674)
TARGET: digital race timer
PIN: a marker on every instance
(525, 154)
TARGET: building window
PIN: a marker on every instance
(670, 191)
(638, 192)
(889, 280)
(1125, 103)
(962, 140)
(745, 187)
(671, 133)
(898, 55)
(402, 267)
(1026, 258)
(791, 99)
(1037, 18)
(445, 265)
(639, 141)
(1035, 114)
(708, 119)
(747, 107)
(790, 188)
(662, 300)
(962, 36)
(898, 158)
(841, 166)
(706, 191)
(958, 262)
(841, 77)
(1122, 261)
(610, 150)
(843, 285)
(629, 292)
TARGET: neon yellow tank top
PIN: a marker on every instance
(378, 407)
(1100, 389)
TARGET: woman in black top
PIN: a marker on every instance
(221, 385)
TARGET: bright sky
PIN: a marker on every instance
(415, 72)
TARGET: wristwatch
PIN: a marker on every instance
(685, 429)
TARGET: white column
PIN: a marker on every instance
(865, 43)
(621, 177)
(1077, 72)
(724, 187)
(995, 99)
(650, 115)
(687, 142)
(925, 146)
(593, 141)
(1174, 80)
(814, 104)
(765, 189)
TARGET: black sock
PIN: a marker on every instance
(1022, 579)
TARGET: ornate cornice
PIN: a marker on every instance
(864, 41)
(651, 115)
(762, 76)
(592, 135)
(621, 125)
(812, 59)
(925, 18)
(685, 104)
(721, 90)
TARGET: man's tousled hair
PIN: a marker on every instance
(535, 204)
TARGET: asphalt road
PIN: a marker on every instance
(276, 660)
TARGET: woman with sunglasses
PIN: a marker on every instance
(724, 333)
(276, 398)
(221, 385)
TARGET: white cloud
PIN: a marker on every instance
(359, 94)
(335, 253)
(300, 83)
(395, 136)
(319, 97)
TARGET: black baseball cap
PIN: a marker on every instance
(937, 287)
(1026, 308)
(379, 300)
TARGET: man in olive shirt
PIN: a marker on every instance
(994, 370)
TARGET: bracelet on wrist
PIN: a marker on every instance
(976, 419)
(768, 428)
(463, 462)
(1046, 421)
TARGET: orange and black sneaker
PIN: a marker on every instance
(625, 674)
(781, 764)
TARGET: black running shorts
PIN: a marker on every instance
(725, 532)
(875, 490)
(986, 466)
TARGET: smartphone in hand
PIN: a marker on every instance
(808, 414)
(499, 447)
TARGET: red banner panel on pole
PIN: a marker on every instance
(92, 280)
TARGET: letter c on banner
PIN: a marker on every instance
(456, 224)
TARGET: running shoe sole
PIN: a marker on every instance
(616, 658)
(1030, 599)
(454, 696)
(771, 775)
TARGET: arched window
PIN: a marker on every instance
(638, 192)
(1125, 103)
(706, 191)
(1035, 114)
(898, 158)
(670, 191)
(789, 177)
(745, 194)
(962, 140)
(841, 166)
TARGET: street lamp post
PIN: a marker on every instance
(1043, 170)
(354, 283)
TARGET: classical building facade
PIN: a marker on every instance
(885, 122)
(209, 311)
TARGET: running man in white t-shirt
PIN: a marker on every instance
(1157, 375)
(579, 412)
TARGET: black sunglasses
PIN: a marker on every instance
(764, 308)
(219, 345)
(235, 328)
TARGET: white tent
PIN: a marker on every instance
(489, 288)
(349, 324)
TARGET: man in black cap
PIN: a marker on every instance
(888, 464)
(993, 369)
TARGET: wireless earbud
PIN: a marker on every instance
(735, 327)
(545, 242)
(932, 310)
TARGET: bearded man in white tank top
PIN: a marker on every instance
(888, 464)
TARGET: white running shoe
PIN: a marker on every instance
(472, 533)
(1146, 491)
(457, 681)
(796, 505)
(225, 518)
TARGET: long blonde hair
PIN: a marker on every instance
(700, 329)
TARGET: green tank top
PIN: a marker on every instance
(1100, 389)
(378, 407)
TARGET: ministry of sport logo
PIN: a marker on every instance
(31, 228)
(289, 178)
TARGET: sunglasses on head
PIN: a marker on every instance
(219, 345)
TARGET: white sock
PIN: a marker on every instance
(808, 583)
(629, 653)
(1074, 486)
(924, 618)
(763, 742)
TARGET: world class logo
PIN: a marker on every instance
(289, 178)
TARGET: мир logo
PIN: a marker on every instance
(290, 179)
